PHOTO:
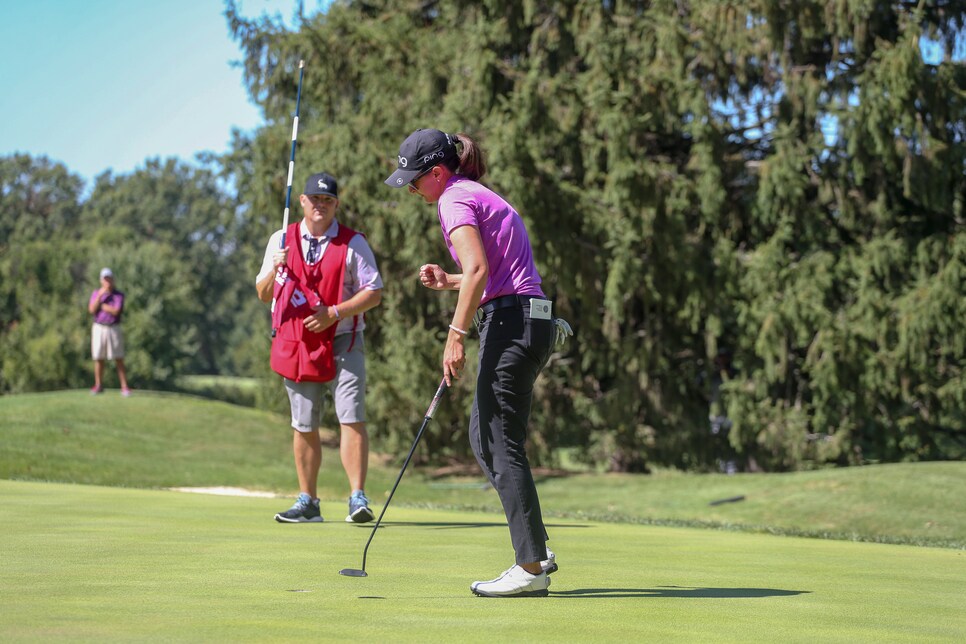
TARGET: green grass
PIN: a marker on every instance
(85, 563)
(236, 390)
(203, 381)
(902, 503)
(151, 439)
(155, 440)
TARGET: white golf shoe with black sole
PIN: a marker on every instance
(515, 582)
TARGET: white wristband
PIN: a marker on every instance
(336, 309)
(458, 330)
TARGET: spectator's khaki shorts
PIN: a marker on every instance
(107, 342)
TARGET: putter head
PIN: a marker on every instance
(352, 572)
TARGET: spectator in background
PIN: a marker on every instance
(107, 340)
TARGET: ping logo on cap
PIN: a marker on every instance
(432, 156)
(403, 162)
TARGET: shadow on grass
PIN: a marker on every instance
(462, 524)
(679, 592)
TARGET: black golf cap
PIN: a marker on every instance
(421, 150)
(322, 183)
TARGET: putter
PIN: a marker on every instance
(291, 172)
(353, 572)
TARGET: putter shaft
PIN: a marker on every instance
(351, 572)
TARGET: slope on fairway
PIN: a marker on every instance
(95, 563)
(163, 440)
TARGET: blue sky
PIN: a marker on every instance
(105, 84)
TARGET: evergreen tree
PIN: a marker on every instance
(754, 208)
(854, 273)
(749, 211)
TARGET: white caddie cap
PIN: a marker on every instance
(106, 272)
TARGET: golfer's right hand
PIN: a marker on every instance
(432, 276)
(454, 358)
(279, 257)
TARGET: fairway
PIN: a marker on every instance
(95, 563)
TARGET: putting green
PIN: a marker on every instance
(96, 563)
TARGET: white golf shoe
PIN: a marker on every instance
(515, 582)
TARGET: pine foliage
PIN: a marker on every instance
(750, 209)
(752, 213)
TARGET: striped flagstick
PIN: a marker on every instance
(288, 194)
(291, 163)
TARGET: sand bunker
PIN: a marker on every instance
(225, 491)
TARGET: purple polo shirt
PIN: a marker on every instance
(505, 241)
(115, 298)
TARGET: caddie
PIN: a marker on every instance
(321, 290)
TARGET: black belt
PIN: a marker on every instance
(502, 302)
(506, 302)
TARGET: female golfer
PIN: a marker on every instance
(500, 286)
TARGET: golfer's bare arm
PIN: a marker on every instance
(470, 285)
(471, 282)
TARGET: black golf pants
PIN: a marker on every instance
(513, 350)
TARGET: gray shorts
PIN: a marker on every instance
(348, 389)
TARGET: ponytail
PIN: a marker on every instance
(472, 164)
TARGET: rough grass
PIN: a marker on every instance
(155, 440)
(235, 390)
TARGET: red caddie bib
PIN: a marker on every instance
(297, 353)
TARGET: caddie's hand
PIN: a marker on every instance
(454, 358)
(432, 276)
(321, 320)
(279, 257)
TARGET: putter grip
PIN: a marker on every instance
(436, 399)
